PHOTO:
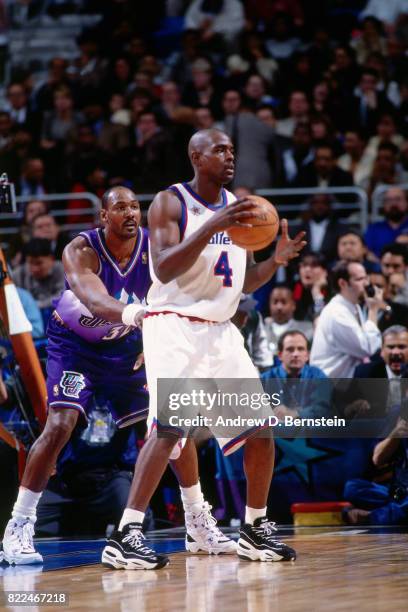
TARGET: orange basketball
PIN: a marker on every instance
(265, 226)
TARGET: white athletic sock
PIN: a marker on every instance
(192, 497)
(131, 516)
(26, 504)
(251, 514)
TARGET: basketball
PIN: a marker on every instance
(265, 226)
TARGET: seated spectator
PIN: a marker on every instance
(299, 154)
(371, 39)
(150, 155)
(16, 245)
(379, 504)
(59, 125)
(32, 180)
(380, 400)
(394, 259)
(356, 159)
(369, 104)
(57, 77)
(310, 291)
(250, 323)
(386, 170)
(380, 233)
(41, 275)
(351, 247)
(323, 133)
(215, 18)
(281, 41)
(298, 107)
(387, 12)
(322, 227)
(19, 108)
(46, 226)
(324, 172)
(255, 94)
(394, 356)
(203, 118)
(386, 132)
(395, 311)
(203, 89)
(343, 337)
(394, 266)
(6, 130)
(281, 310)
(298, 400)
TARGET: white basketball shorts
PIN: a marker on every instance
(176, 347)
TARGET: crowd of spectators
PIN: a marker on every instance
(312, 94)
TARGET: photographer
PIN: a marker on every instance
(378, 504)
(344, 336)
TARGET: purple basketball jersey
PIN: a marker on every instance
(129, 285)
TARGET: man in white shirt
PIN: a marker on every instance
(344, 337)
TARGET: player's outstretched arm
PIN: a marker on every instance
(286, 249)
(80, 265)
(170, 257)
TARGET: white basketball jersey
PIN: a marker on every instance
(212, 287)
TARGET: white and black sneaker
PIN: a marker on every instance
(18, 545)
(203, 535)
(256, 543)
(126, 550)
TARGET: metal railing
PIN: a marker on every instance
(298, 204)
(14, 219)
(360, 206)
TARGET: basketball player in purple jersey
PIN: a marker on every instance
(198, 276)
(93, 343)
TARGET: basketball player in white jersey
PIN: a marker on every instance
(198, 277)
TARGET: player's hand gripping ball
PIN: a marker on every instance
(264, 226)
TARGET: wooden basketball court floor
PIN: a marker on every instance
(337, 569)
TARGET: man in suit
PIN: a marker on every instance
(366, 108)
(324, 172)
(380, 399)
(322, 228)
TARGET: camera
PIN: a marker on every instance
(370, 291)
(8, 202)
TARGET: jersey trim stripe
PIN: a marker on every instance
(184, 210)
(64, 404)
(202, 201)
(133, 260)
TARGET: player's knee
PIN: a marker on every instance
(262, 444)
(59, 427)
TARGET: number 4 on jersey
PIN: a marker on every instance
(222, 268)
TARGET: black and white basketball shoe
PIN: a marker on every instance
(126, 550)
(257, 543)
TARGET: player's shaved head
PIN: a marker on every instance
(202, 139)
(116, 193)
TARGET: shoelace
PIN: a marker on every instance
(135, 539)
(206, 519)
(26, 536)
(266, 530)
